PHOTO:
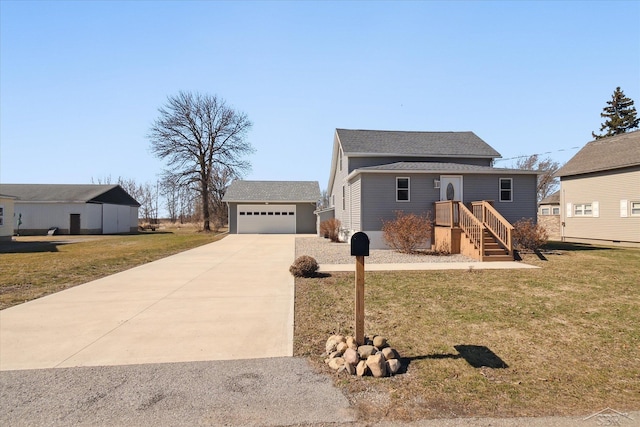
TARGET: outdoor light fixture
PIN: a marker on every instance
(436, 183)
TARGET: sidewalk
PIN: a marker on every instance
(499, 265)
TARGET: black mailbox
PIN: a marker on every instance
(360, 244)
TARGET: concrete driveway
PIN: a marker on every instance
(232, 299)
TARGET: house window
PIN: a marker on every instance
(583, 209)
(340, 158)
(545, 211)
(1, 216)
(556, 211)
(344, 198)
(635, 209)
(506, 189)
(402, 189)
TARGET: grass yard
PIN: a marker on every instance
(560, 340)
(31, 267)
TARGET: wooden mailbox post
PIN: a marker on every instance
(359, 249)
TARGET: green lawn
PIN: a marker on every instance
(31, 267)
(560, 340)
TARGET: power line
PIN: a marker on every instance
(538, 154)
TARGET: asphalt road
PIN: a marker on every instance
(256, 392)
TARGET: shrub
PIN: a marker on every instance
(528, 235)
(330, 229)
(304, 266)
(407, 232)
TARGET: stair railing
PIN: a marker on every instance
(496, 223)
(472, 227)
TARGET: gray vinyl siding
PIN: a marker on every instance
(305, 218)
(336, 192)
(486, 187)
(355, 188)
(378, 195)
(362, 162)
(233, 218)
(608, 189)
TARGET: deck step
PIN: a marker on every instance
(497, 258)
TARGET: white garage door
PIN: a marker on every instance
(253, 219)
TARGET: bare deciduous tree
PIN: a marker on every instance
(198, 134)
(547, 183)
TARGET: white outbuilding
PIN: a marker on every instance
(6, 217)
(72, 209)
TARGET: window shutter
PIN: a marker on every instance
(624, 208)
(569, 210)
(595, 209)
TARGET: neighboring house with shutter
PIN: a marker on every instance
(272, 207)
(73, 208)
(549, 215)
(600, 192)
(449, 175)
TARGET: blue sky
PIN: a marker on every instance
(81, 82)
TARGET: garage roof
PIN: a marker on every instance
(272, 191)
(69, 193)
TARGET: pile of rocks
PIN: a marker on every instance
(375, 357)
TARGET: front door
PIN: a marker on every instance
(451, 187)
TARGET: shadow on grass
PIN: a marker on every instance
(567, 246)
(29, 247)
(477, 356)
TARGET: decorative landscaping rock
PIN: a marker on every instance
(377, 365)
(379, 342)
(332, 343)
(336, 363)
(351, 356)
(366, 350)
(351, 342)
(361, 369)
(389, 353)
(347, 358)
(393, 366)
(347, 368)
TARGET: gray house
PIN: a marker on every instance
(73, 209)
(272, 206)
(376, 173)
(600, 192)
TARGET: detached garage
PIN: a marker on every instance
(73, 209)
(272, 207)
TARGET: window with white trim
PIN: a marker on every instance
(583, 209)
(545, 211)
(402, 189)
(556, 211)
(635, 208)
(506, 189)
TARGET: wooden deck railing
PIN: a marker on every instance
(446, 214)
(491, 218)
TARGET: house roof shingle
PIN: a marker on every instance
(604, 154)
(272, 191)
(407, 143)
(552, 199)
(78, 193)
(440, 167)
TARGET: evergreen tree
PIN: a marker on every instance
(620, 115)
